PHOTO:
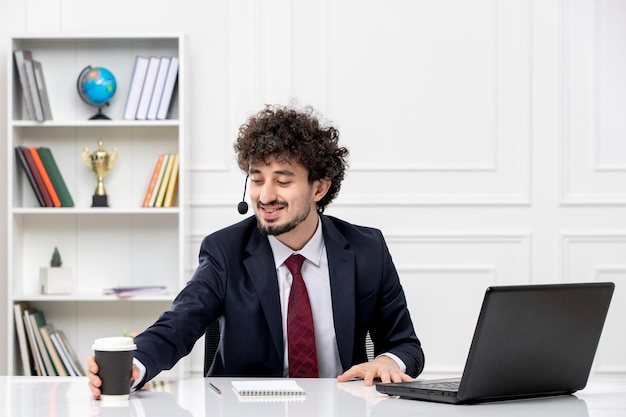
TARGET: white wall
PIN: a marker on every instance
(486, 136)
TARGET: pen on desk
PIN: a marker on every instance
(216, 389)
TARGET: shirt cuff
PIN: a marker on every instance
(142, 373)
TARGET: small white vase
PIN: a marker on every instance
(56, 280)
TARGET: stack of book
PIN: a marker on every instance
(44, 350)
(128, 292)
(44, 176)
(33, 86)
(161, 190)
(151, 88)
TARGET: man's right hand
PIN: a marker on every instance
(94, 380)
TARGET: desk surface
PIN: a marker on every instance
(70, 396)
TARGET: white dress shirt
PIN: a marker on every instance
(317, 280)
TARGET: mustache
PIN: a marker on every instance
(275, 203)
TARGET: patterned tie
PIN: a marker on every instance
(300, 333)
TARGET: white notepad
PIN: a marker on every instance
(274, 387)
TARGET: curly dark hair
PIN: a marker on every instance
(296, 136)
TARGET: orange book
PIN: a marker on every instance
(153, 181)
(171, 185)
(44, 176)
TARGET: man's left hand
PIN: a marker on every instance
(382, 367)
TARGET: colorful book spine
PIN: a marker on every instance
(172, 183)
(153, 181)
(45, 330)
(31, 179)
(159, 181)
(55, 176)
(164, 181)
(46, 178)
(38, 320)
(38, 179)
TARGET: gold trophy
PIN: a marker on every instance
(100, 162)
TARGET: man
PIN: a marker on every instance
(244, 276)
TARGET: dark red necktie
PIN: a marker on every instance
(300, 332)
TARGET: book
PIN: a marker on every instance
(148, 88)
(45, 177)
(153, 181)
(37, 176)
(38, 320)
(159, 84)
(40, 370)
(67, 363)
(164, 181)
(42, 90)
(159, 181)
(170, 193)
(76, 363)
(25, 355)
(274, 387)
(131, 291)
(136, 85)
(45, 330)
(23, 62)
(31, 179)
(55, 176)
(168, 89)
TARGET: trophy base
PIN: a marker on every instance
(99, 201)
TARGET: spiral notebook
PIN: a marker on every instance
(268, 388)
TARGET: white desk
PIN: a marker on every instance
(67, 397)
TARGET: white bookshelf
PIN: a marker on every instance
(123, 244)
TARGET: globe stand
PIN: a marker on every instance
(100, 115)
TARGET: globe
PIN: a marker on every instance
(96, 86)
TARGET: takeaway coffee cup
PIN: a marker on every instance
(114, 356)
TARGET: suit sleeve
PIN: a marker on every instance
(175, 332)
(392, 328)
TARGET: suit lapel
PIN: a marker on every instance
(262, 271)
(342, 286)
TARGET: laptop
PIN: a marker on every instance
(530, 341)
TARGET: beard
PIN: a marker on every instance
(279, 229)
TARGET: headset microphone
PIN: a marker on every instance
(242, 207)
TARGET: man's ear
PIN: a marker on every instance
(320, 188)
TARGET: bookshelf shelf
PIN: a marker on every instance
(84, 298)
(124, 244)
(97, 211)
(95, 123)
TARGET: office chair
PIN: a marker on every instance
(211, 340)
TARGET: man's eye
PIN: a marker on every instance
(283, 182)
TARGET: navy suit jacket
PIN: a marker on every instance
(236, 281)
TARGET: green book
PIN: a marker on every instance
(55, 176)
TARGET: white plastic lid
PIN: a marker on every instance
(114, 344)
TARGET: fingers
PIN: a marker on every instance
(135, 374)
(384, 369)
(94, 379)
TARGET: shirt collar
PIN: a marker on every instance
(311, 251)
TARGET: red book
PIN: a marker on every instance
(44, 176)
(40, 184)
